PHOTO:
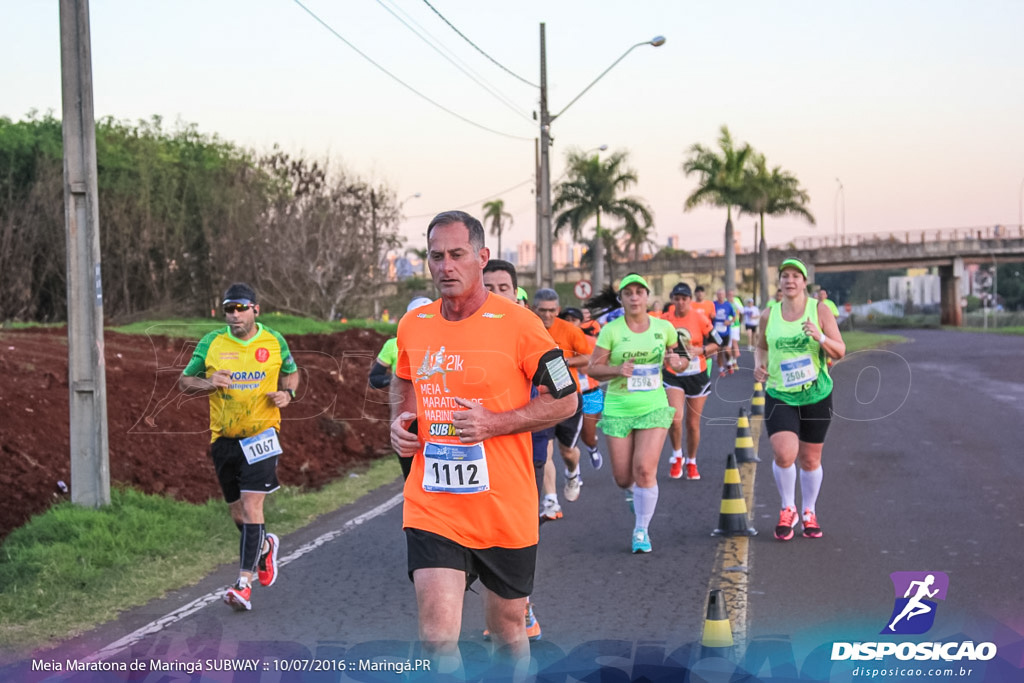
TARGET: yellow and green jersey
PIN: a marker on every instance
(243, 409)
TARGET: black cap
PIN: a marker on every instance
(682, 289)
(239, 293)
(571, 312)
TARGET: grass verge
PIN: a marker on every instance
(72, 568)
(287, 325)
(1015, 330)
(858, 341)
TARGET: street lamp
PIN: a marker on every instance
(545, 271)
(835, 211)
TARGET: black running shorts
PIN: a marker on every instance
(810, 423)
(236, 475)
(506, 572)
(694, 386)
(567, 432)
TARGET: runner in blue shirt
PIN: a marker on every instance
(725, 314)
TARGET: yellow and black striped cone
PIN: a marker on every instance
(732, 520)
(757, 401)
(744, 441)
(717, 637)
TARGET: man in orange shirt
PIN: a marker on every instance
(461, 409)
(699, 303)
(573, 343)
(693, 385)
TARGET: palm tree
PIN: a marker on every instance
(720, 184)
(592, 190)
(773, 193)
(494, 210)
(636, 237)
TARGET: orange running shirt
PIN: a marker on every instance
(706, 307)
(699, 327)
(483, 495)
(591, 329)
(573, 342)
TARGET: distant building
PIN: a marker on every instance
(403, 269)
(526, 254)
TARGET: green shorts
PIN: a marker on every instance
(660, 418)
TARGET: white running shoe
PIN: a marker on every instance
(572, 487)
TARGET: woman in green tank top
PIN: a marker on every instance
(630, 353)
(795, 339)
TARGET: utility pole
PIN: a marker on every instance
(87, 383)
(375, 269)
(545, 270)
(540, 223)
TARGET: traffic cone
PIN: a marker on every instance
(717, 637)
(732, 520)
(757, 402)
(744, 441)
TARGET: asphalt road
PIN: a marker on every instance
(923, 472)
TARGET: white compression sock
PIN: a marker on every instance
(810, 484)
(644, 503)
(785, 482)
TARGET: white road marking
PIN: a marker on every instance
(199, 603)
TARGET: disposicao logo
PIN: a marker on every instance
(914, 608)
(913, 613)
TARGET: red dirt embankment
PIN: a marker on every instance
(158, 438)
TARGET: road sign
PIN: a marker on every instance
(582, 290)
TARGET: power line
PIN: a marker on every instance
(477, 202)
(496, 62)
(403, 83)
(475, 77)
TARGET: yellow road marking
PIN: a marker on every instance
(731, 569)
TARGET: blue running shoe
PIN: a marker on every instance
(596, 459)
(641, 541)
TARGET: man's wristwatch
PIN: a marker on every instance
(291, 393)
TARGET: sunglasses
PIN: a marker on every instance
(236, 308)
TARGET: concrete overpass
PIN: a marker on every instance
(949, 249)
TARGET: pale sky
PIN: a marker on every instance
(917, 107)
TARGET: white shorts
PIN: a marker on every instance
(734, 333)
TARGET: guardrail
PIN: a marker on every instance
(908, 237)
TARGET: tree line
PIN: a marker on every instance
(182, 215)
(731, 177)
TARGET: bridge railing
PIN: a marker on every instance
(910, 236)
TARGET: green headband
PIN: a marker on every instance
(521, 294)
(794, 263)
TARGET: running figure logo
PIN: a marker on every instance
(432, 365)
(914, 612)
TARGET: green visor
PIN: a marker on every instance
(634, 279)
(794, 263)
